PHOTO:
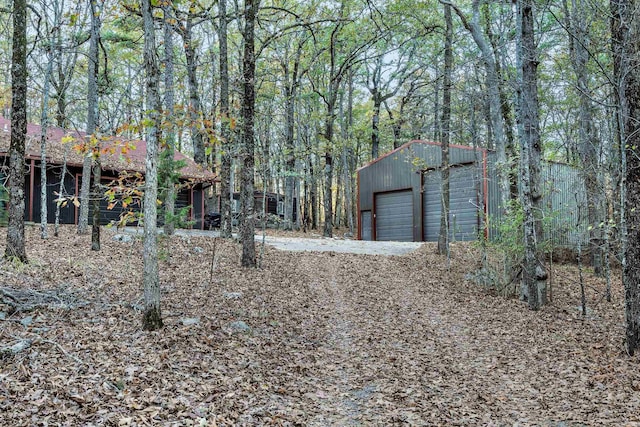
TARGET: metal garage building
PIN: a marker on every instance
(399, 195)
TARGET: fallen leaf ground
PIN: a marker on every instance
(309, 339)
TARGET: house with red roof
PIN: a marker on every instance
(118, 155)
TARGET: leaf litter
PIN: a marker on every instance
(309, 339)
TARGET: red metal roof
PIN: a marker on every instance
(118, 154)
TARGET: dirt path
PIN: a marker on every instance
(426, 348)
(340, 407)
(379, 332)
(309, 339)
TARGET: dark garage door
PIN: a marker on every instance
(394, 216)
(463, 213)
(431, 206)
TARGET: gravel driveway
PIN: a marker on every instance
(322, 244)
(340, 245)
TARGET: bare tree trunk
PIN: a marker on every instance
(195, 107)
(507, 114)
(65, 65)
(44, 123)
(534, 275)
(589, 144)
(92, 118)
(495, 103)
(152, 316)
(337, 215)
(290, 163)
(96, 198)
(328, 176)
(170, 192)
(83, 216)
(375, 121)
(443, 237)
(92, 102)
(346, 154)
(225, 166)
(298, 202)
(291, 87)
(15, 248)
(626, 53)
(327, 199)
(247, 201)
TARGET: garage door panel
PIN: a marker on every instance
(394, 216)
(432, 205)
(463, 214)
(464, 203)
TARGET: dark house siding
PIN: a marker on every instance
(32, 199)
(273, 200)
(72, 183)
(195, 198)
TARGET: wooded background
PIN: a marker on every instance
(337, 83)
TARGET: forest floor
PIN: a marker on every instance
(307, 339)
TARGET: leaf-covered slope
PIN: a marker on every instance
(317, 339)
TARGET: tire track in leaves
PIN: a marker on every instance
(379, 332)
(340, 408)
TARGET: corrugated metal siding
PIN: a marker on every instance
(464, 187)
(401, 169)
(432, 205)
(494, 210)
(563, 189)
(394, 216)
(365, 220)
(565, 205)
(389, 174)
(463, 210)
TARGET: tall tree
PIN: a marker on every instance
(577, 23)
(44, 124)
(494, 38)
(493, 89)
(92, 118)
(534, 275)
(170, 140)
(247, 230)
(340, 55)
(292, 71)
(92, 106)
(66, 57)
(184, 24)
(443, 237)
(389, 63)
(226, 192)
(15, 248)
(152, 316)
(625, 33)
